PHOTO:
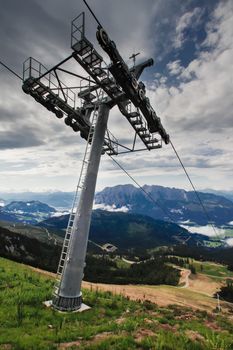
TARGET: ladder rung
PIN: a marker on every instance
(40, 90)
(87, 95)
(141, 129)
(136, 122)
(83, 46)
(143, 134)
(108, 82)
(93, 58)
(114, 89)
(134, 114)
(155, 147)
(148, 142)
(100, 72)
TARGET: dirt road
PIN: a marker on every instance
(197, 293)
(184, 278)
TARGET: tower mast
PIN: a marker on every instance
(69, 296)
(104, 87)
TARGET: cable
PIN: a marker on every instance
(197, 194)
(177, 155)
(10, 70)
(141, 188)
(92, 13)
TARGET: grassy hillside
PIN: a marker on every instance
(127, 231)
(113, 322)
(33, 248)
(40, 233)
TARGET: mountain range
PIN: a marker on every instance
(168, 203)
(130, 233)
(55, 199)
(161, 203)
(29, 212)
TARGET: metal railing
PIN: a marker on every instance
(35, 69)
(77, 28)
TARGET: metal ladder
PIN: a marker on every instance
(80, 186)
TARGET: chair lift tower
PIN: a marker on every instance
(105, 87)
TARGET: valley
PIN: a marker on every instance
(154, 288)
(116, 198)
(180, 206)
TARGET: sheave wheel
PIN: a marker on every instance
(103, 36)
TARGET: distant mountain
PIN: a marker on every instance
(226, 194)
(177, 204)
(54, 199)
(28, 212)
(4, 216)
(130, 231)
(31, 207)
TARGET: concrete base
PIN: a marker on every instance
(83, 307)
(47, 303)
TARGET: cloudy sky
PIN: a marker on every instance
(190, 87)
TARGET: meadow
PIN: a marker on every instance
(113, 322)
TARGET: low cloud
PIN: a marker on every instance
(205, 230)
(112, 208)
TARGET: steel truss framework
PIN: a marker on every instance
(113, 84)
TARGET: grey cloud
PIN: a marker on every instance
(210, 152)
(26, 27)
(16, 165)
(19, 138)
(42, 29)
(6, 115)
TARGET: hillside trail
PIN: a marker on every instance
(197, 293)
(184, 277)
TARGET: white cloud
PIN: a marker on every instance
(188, 19)
(229, 241)
(112, 208)
(197, 111)
(205, 230)
(175, 67)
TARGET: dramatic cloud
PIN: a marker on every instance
(192, 92)
(19, 139)
(186, 21)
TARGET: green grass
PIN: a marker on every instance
(113, 322)
(31, 231)
(212, 269)
(213, 243)
(121, 264)
(209, 268)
